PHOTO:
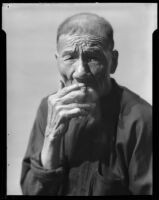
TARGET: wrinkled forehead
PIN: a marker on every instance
(81, 41)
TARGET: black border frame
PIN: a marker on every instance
(3, 121)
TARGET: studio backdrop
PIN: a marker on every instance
(31, 65)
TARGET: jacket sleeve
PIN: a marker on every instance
(35, 180)
(140, 165)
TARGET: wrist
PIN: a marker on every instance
(50, 155)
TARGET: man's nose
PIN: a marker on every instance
(81, 71)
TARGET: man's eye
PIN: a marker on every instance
(93, 59)
(68, 58)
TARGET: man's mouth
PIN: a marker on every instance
(86, 82)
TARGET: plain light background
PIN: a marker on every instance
(31, 66)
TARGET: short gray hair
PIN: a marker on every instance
(74, 24)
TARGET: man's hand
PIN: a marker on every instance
(69, 102)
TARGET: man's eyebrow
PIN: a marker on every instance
(67, 52)
(94, 50)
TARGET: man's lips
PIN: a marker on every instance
(87, 83)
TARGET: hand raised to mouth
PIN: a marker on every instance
(69, 102)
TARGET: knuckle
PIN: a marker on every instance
(50, 100)
(58, 101)
(56, 104)
(78, 110)
(57, 108)
(61, 113)
(63, 91)
(62, 116)
(52, 96)
(75, 105)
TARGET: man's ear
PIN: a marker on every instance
(115, 55)
(56, 55)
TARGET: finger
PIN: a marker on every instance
(69, 114)
(86, 107)
(65, 115)
(68, 89)
(77, 96)
(63, 119)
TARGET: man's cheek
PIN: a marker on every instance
(98, 71)
(66, 75)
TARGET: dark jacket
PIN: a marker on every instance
(113, 158)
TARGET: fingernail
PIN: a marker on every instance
(84, 88)
(81, 84)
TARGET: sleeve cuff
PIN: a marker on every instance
(45, 174)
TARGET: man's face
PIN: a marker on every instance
(82, 58)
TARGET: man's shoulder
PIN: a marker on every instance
(134, 106)
(44, 103)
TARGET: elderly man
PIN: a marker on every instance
(92, 136)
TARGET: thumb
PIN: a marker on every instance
(62, 85)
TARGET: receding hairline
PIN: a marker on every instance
(84, 22)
